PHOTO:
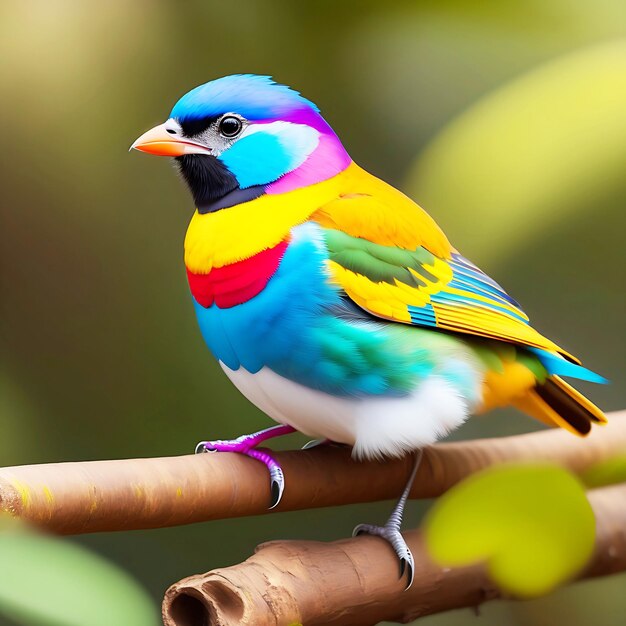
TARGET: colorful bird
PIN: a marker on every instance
(334, 302)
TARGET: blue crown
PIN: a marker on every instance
(254, 97)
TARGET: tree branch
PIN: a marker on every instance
(354, 582)
(72, 498)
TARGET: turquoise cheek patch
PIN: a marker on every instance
(258, 159)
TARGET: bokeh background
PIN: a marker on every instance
(506, 121)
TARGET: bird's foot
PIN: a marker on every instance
(246, 444)
(390, 532)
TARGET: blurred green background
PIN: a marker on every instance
(506, 121)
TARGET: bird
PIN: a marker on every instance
(333, 301)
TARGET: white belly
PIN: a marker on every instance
(374, 426)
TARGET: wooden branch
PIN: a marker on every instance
(354, 582)
(92, 496)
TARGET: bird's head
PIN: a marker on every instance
(238, 137)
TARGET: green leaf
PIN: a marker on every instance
(47, 581)
(609, 472)
(531, 524)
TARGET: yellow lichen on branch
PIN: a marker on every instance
(92, 496)
(350, 582)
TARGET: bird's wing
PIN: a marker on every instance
(415, 277)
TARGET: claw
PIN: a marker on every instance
(410, 574)
(212, 446)
(407, 564)
(361, 529)
(277, 486)
(313, 444)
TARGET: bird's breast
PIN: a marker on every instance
(238, 282)
(261, 310)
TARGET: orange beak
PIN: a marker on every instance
(162, 143)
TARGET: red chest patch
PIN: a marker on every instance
(238, 282)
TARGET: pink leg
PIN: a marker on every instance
(246, 444)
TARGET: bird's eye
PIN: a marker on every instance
(230, 126)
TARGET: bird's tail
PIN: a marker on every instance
(556, 403)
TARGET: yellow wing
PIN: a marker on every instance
(391, 258)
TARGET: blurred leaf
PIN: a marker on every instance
(532, 524)
(518, 161)
(46, 581)
(609, 472)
